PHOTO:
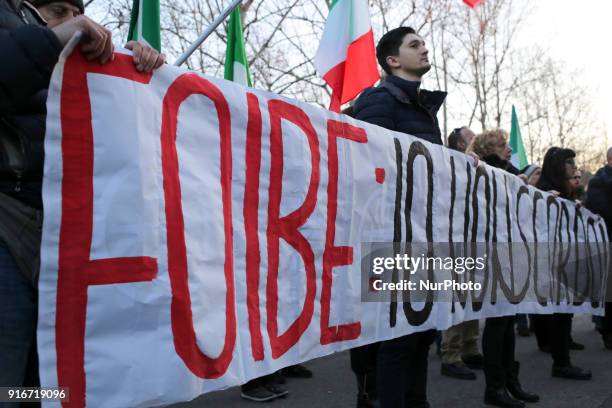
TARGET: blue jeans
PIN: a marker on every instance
(18, 313)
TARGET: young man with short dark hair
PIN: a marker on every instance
(399, 104)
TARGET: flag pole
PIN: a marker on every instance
(207, 32)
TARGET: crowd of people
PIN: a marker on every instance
(391, 373)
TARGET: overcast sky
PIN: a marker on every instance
(579, 33)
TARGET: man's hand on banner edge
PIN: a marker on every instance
(96, 41)
(145, 58)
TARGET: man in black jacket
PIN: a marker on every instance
(400, 104)
(28, 52)
(599, 200)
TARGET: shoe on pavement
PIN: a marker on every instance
(278, 391)
(501, 398)
(514, 387)
(457, 370)
(258, 394)
(297, 371)
(277, 378)
(571, 372)
(519, 393)
(475, 361)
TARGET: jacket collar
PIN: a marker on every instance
(410, 92)
(410, 89)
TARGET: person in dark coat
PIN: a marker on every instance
(399, 104)
(599, 201)
(554, 330)
(29, 51)
(503, 388)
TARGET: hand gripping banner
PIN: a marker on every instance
(198, 234)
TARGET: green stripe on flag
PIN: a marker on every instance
(144, 23)
(236, 65)
(519, 158)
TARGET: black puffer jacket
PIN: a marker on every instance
(401, 106)
(28, 52)
(599, 195)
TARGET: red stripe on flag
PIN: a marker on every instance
(356, 73)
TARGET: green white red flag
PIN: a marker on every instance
(144, 23)
(346, 58)
(236, 64)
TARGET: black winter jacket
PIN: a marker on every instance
(599, 195)
(28, 52)
(495, 161)
(401, 106)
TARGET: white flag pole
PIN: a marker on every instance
(207, 32)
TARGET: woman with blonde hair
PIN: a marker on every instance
(503, 388)
(492, 147)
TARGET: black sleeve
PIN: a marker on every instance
(27, 57)
(376, 107)
(598, 198)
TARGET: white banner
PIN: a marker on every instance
(198, 234)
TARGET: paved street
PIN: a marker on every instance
(334, 386)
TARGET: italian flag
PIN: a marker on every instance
(144, 23)
(346, 58)
(236, 65)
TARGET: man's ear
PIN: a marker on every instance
(393, 61)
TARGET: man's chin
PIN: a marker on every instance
(421, 70)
